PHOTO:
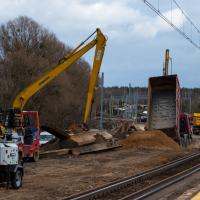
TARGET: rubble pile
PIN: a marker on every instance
(123, 129)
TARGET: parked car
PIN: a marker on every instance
(45, 137)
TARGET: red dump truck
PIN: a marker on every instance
(164, 109)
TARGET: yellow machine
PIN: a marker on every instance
(196, 123)
(99, 41)
(166, 67)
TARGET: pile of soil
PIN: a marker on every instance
(150, 140)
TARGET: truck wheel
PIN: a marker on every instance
(36, 156)
(189, 140)
(181, 142)
(185, 140)
(16, 180)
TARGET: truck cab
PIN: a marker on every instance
(185, 129)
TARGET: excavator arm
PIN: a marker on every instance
(166, 68)
(100, 42)
(99, 52)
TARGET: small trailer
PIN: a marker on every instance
(11, 168)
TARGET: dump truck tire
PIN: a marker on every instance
(186, 140)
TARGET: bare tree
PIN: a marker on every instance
(27, 50)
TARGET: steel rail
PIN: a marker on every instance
(123, 183)
(157, 187)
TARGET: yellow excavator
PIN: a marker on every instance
(100, 42)
(13, 117)
(166, 66)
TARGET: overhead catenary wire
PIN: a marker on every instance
(186, 16)
(188, 37)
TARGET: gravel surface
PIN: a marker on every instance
(60, 177)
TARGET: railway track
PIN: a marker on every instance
(157, 187)
(146, 183)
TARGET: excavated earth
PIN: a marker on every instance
(55, 178)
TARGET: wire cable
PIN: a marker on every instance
(182, 32)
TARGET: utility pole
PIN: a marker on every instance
(136, 103)
(129, 102)
(190, 103)
(101, 101)
(110, 106)
(129, 94)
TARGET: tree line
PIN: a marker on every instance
(27, 51)
(190, 97)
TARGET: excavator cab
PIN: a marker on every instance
(12, 118)
(12, 122)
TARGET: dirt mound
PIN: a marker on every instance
(150, 140)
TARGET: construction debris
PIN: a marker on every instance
(95, 140)
(80, 150)
(105, 135)
(74, 128)
(124, 128)
(84, 138)
(54, 153)
(79, 143)
(94, 148)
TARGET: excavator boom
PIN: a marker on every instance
(166, 69)
(100, 42)
(99, 52)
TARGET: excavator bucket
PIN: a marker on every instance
(58, 133)
(70, 140)
(80, 142)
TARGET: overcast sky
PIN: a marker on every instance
(137, 37)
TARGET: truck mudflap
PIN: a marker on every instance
(185, 140)
(170, 133)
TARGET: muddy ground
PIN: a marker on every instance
(56, 178)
